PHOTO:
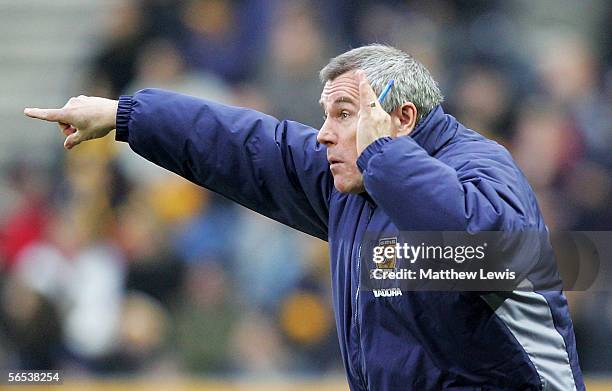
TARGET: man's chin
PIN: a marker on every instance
(348, 187)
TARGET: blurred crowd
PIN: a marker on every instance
(111, 265)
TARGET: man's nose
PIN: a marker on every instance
(326, 136)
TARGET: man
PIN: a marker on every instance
(402, 166)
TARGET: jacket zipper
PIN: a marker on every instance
(360, 369)
(357, 326)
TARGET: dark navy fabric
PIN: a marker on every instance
(441, 177)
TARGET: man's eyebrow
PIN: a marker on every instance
(342, 99)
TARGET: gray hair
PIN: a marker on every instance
(413, 82)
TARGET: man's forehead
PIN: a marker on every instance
(343, 88)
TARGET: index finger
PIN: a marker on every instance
(53, 115)
(366, 93)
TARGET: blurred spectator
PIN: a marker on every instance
(210, 234)
(206, 319)
(256, 347)
(95, 293)
(289, 78)
(153, 267)
(114, 66)
(483, 101)
(27, 218)
(159, 64)
(31, 323)
(589, 187)
(267, 261)
(223, 37)
(570, 72)
(540, 125)
(144, 329)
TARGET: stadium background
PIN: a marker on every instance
(115, 270)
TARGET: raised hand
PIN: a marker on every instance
(374, 122)
(82, 118)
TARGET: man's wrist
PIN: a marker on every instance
(371, 150)
(366, 140)
(122, 119)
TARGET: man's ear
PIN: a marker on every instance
(406, 115)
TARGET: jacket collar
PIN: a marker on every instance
(435, 130)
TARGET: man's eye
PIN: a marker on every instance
(344, 114)
(325, 117)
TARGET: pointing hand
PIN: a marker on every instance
(82, 118)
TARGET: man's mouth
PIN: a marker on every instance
(333, 161)
(334, 165)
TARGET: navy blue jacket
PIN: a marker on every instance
(441, 177)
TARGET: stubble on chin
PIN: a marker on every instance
(352, 186)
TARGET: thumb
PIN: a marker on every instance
(53, 115)
(74, 139)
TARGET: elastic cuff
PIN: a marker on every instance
(371, 150)
(123, 118)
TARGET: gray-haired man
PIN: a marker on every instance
(405, 167)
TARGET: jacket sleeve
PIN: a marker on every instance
(422, 193)
(273, 167)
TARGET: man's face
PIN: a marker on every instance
(340, 102)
